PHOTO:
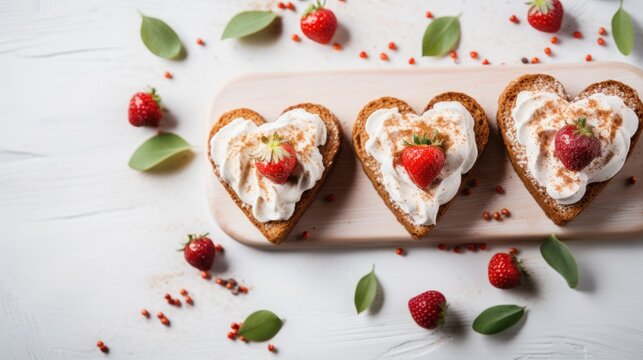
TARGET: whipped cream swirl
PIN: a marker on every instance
(232, 148)
(388, 128)
(539, 115)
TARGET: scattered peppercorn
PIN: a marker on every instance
(168, 75)
(383, 57)
(305, 235)
(183, 292)
(145, 313)
(471, 247)
(442, 247)
(205, 275)
(363, 55)
(281, 5)
(588, 57)
(486, 215)
(535, 60)
(505, 212)
(632, 180)
(513, 251)
(168, 297)
(160, 315)
(243, 289)
(482, 246)
(429, 15)
(290, 6)
(456, 249)
(272, 348)
(399, 251)
(525, 60)
(218, 248)
(578, 34)
(220, 281)
(496, 215)
(473, 54)
(200, 41)
(392, 46)
(165, 321)
(188, 299)
(500, 189)
(453, 54)
(411, 61)
(514, 19)
(337, 46)
(601, 42)
(176, 302)
(234, 326)
(602, 31)
(548, 51)
(102, 346)
(229, 285)
(485, 62)
(554, 40)
(295, 38)
(243, 338)
(232, 336)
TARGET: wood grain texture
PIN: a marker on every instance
(359, 216)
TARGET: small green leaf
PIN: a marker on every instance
(623, 31)
(441, 36)
(247, 23)
(261, 325)
(159, 38)
(498, 318)
(156, 150)
(558, 256)
(365, 291)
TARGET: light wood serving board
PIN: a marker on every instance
(358, 216)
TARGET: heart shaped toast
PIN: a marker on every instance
(387, 126)
(311, 132)
(532, 112)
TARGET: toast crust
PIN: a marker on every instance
(371, 166)
(560, 214)
(277, 231)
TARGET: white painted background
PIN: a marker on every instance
(86, 241)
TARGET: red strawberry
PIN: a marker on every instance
(545, 15)
(199, 251)
(423, 159)
(275, 159)
(576, 145)
(428, 309)
(145, 109)
(504, 271)
(318, 23)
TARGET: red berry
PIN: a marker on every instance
(189, 300)
(383, 57)
(453, 54)
(399, 251)
(160, 315)
(504, 271)
(411, 61)
(205, 275)
(200, 41)
(392, 46)
(548, 51)
(199, 251)
(295, 38)
(429, 15)
(588, 57)
(554, 40)
(271, 348)
(471, 247)
(330, 198)
(601, 42)
(318, 23)
(168, 75)
(505, 212)
(485, 62)
(276, 159)
(602, 31)
(234, 326)
(232, 335)
(363, 55)
(500, 189)
(337, 46)
(576, 145)
(632, 180)
(281, 5)
(145, 313)
(428, 309)
(473, 54)
(482, 246)
(423, 159)
(535, 60)
(165, 321)
(496, 215)
(486, 215)
(513, 251)
(218, 248)
(545, 15)
(305, 235)
(442, 246)
(456, 249)
(145, 109)
(290, 6)
(578, 34)
(514, 19)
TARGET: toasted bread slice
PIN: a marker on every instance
(560, 214)
(277, 231)
(372, 166)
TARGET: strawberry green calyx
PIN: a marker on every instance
(540, 6)
(424, 140)
(192, 237)
(582, 128)
(271, 150)
(155, 96)
(314, 7)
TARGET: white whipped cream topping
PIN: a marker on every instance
(232, 147)
(539, 115)
(388, 128)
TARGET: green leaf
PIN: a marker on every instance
(159, 38)
(498, 318)
(247, 23)
(365, 291)
(156, 150)
(623, 31)
(261, 325)
(558, 256)
(441, 36)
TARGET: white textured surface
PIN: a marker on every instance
(86, 242)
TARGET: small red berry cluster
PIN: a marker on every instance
(460, 248)
(171, 301)
(232, 285)
(496, 215)
(102, 346)
(286, 6)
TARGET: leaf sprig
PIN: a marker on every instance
(558, 256)
(261, 325)
(247, 23)
(441, 36)
(157, 150)
(160, 38)
(365, 291)
(623, 30)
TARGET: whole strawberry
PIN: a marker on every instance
(576, 145)
(199, 251)
(318, 23)
(275, 159)
(428, 309)
(423, 159)
(504, 271)
(545, 15)
(145, 109)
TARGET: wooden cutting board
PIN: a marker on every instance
(358, 216)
